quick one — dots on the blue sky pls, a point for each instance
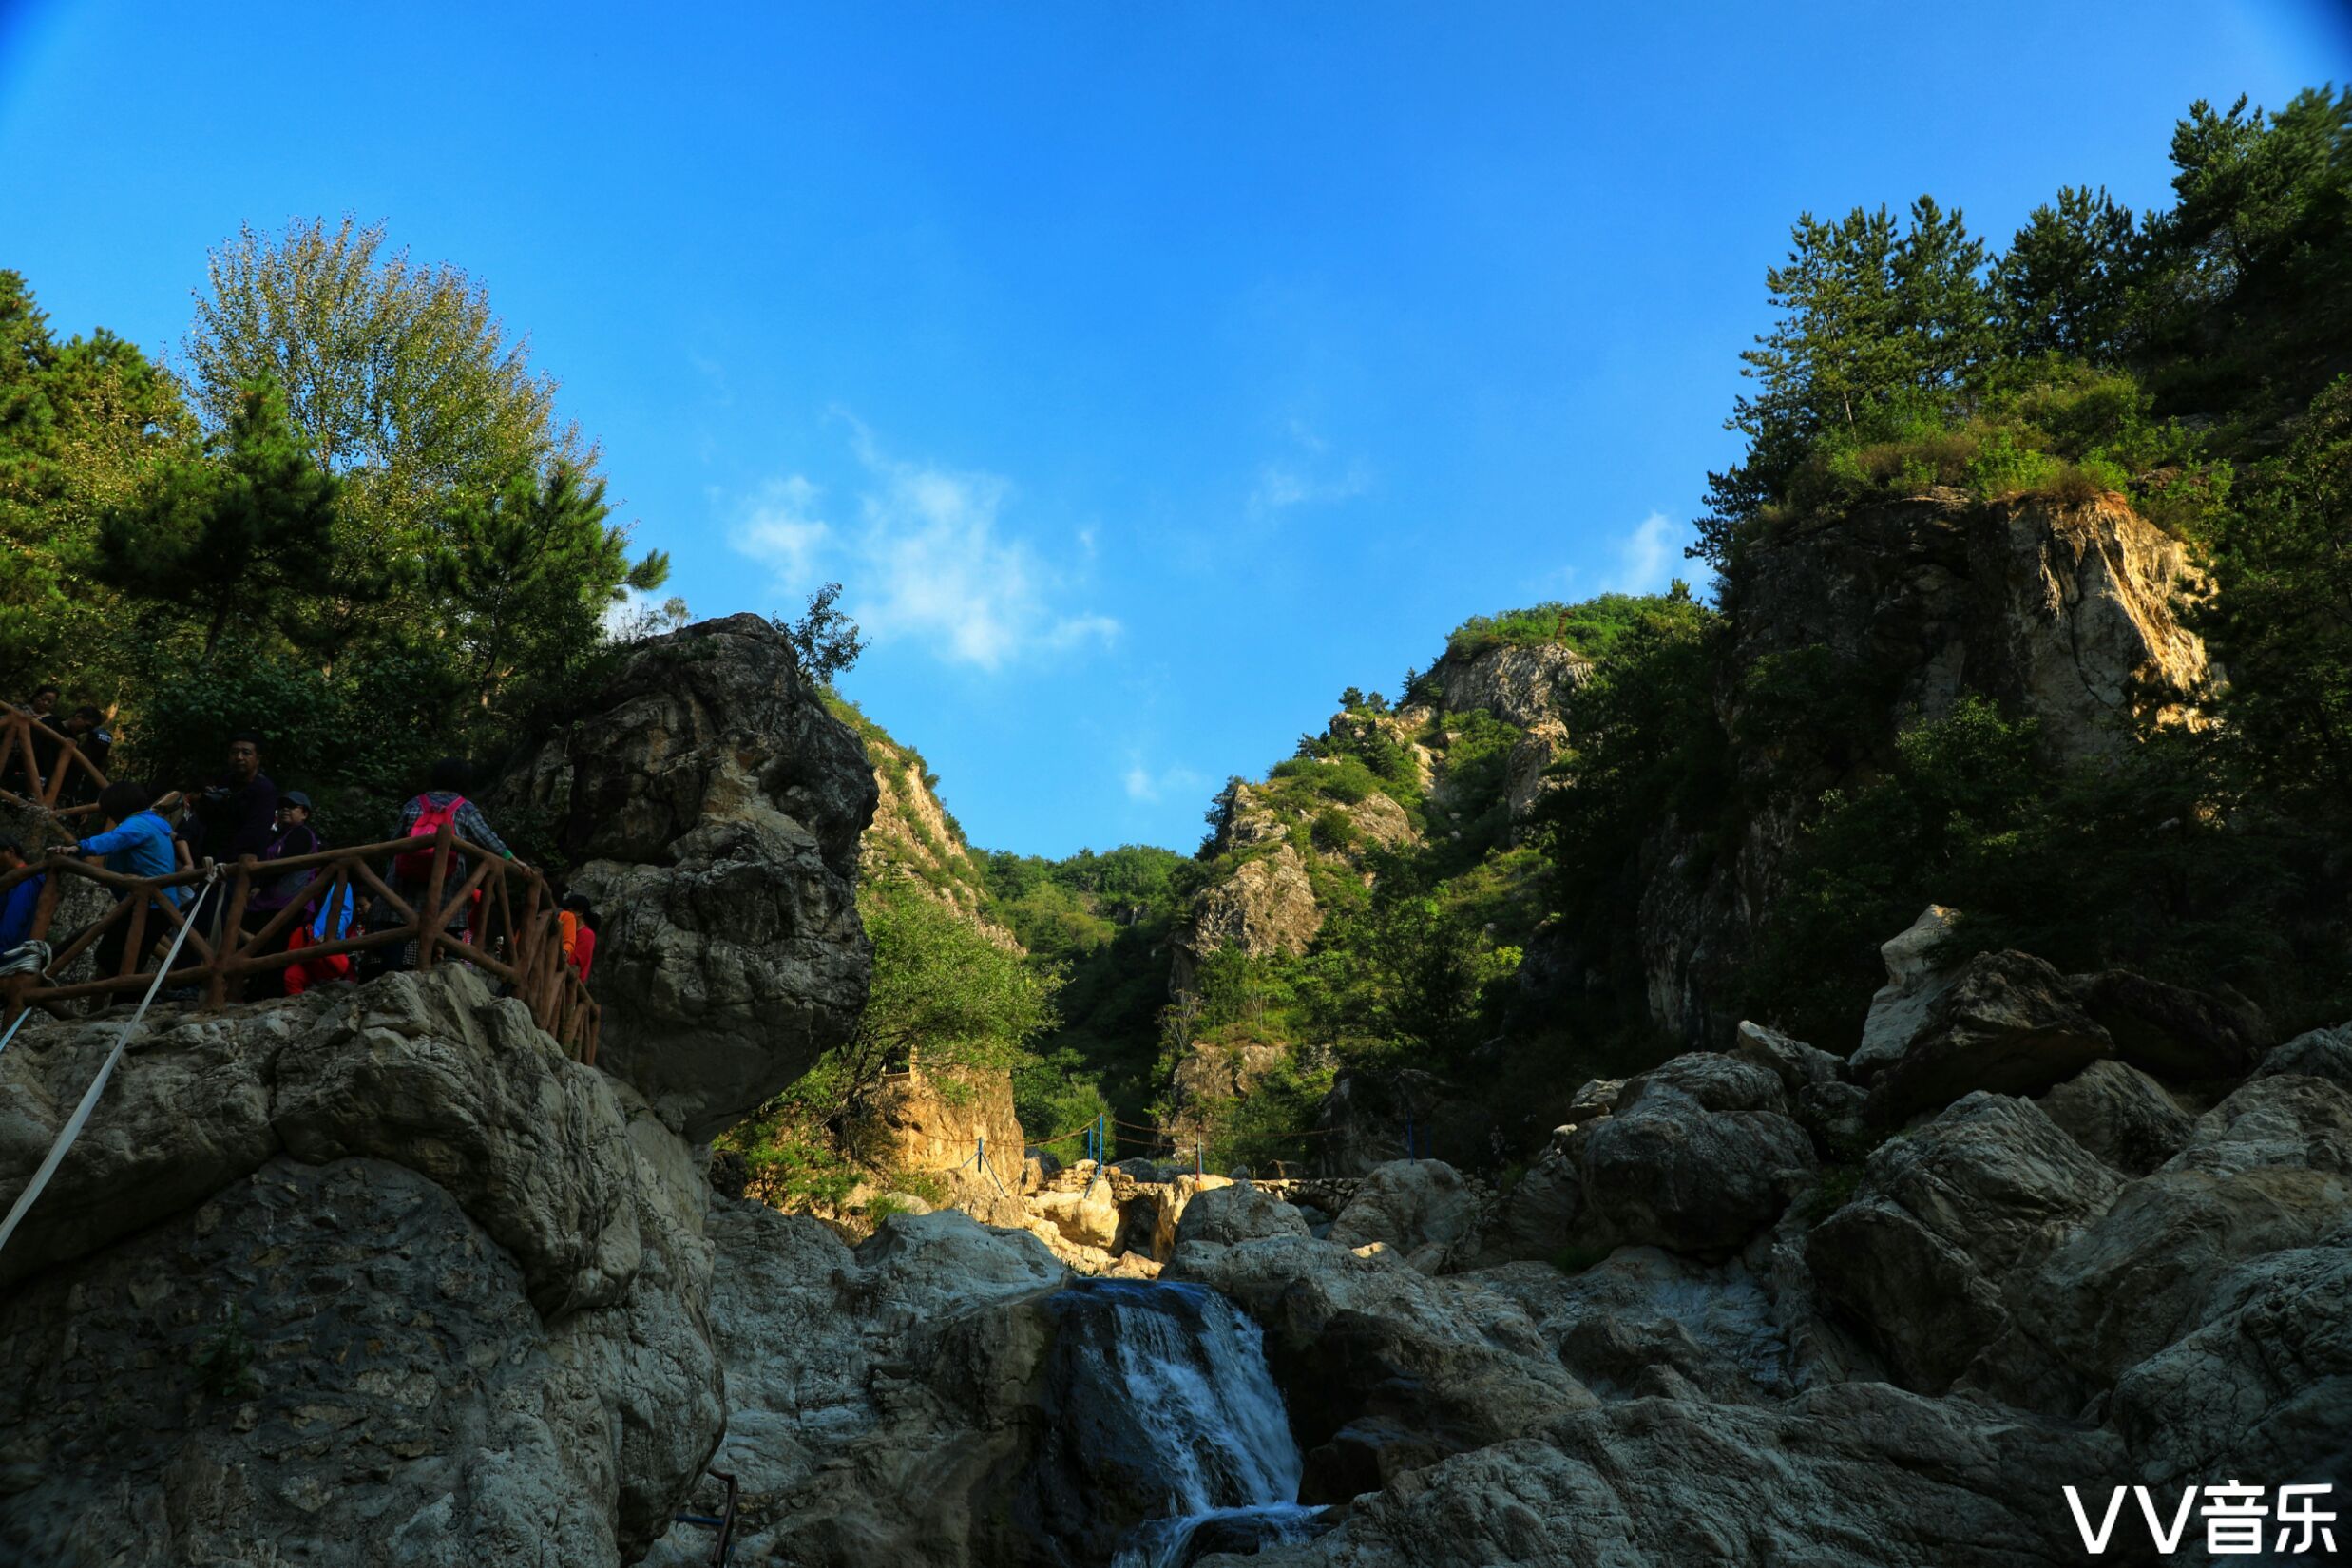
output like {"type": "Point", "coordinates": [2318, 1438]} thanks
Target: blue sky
{"type": "Point", "coordinates": [1147, 373]}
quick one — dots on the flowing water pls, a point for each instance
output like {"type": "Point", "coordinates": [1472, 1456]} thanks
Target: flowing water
{"type": "Point", "coordinates": [1190, 1371]}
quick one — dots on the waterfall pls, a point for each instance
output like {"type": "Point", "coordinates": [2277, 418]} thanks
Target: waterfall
{"type": "Point", "coordinates": [1212, 1441]}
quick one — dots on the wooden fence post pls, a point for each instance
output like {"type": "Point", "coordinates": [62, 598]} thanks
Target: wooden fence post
{"type": "Point", "coordinates": [429, 912]}
{"type": "Point", "coordinates": [218, 991]}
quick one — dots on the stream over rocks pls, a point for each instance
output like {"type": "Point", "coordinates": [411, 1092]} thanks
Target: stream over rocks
{"type": "Point", "coordinates": [1165, 1412]}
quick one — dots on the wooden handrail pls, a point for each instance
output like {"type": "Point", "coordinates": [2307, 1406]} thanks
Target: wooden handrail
{"type": "Point", "coordinates": [524, 955]}
{"type": "Point", "coordinates": [18, 728]}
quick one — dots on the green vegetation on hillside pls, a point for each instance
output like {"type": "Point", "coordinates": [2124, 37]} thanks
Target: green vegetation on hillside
{"type": "Point", "coordinates": [945, 998]}
{"type": "Point", "coordinates": [2192, 360]}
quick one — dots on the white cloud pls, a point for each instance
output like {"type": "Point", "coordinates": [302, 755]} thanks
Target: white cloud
{"type": "Point", "coordinates": [1304, 479]}
{"type": "Point", "coordinates": [779, 527]}
{"type": "Point", "coordinates": [927, 560]}
{"type": "Point", "coordinates": [1649, 555]}
{"type": "Point", "coordinates": [1146, 786]}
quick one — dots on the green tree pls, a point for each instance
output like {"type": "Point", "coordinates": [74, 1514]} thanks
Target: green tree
{"type": "Point", "coordinates": [1877, 316]}
{"type": "Point", "coordinates": [528, 572]}
{"type": "Point", "coordinates": [2063, 284]}
{"type": "Point", "coordinates": [79, 422]}
{"type": "Point", "coordinates": [240, 535]}
{"type": "Point", "coordinates": [2281, 620]}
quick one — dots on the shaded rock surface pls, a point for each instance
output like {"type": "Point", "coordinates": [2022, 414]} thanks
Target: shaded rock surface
{"type": "Point", "coordinates": [2007, 1022]}
{"type": "Point", "coordinates": [712, 809]}
{"type": "Point", "coordinates": [2064, 613]}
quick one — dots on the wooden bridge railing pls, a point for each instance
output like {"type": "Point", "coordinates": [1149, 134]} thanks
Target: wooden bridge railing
{"type": "Point", "coordinates": [508, 912]}
{"type": "Point", "coordinates": [42, 767]}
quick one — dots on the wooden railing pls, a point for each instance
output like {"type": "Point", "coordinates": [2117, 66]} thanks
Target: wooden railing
{"type": "Point", "coordinates": [38, 763]}
{"type": "Point", "coordinates": [510, 929]}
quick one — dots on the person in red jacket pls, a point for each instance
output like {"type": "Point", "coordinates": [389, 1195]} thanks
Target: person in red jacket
{"type": "Point", "coordinates": [579, 923]}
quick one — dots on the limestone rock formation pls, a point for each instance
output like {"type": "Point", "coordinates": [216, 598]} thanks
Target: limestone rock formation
{"type": "Point", "coordinates": [1267, 906]}
{"type": "Point", "coordinates": [1520, 685]}
{"type": "Point", "coordinates": [961, 1130]}
{"type": "Point", "coordinates": [713, 809]}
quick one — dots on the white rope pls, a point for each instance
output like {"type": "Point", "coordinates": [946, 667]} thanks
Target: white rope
{"type": "Point", "coordinates": [74, 1123]}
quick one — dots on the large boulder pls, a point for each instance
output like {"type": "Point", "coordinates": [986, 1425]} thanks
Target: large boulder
{"type": "Point", "coordinates": [1421, 1209]}
{"type": "Point", "coordinates": [1384, 1368]}
{"type": "Point", "coordinates": [1914, 982]}
{"type": "Point", "coordinates": [1858, 1475]}
{"type": "Point", "coordinates": [1696, 1155]}
{"type": "Point", "coordinates": [493, 1253]}
{"type": "Point", "coordinates": [2007, 1022]}
{"type": "Point", "coordinates": [1239, 1213]}
{"type": "Point", "coordinates": [2179, 1034]}
{"type": "Point", "coordinates": [873, 1397]}
{"type": "Point", "coordinates": [2121, 1114]}
{"type": "Point", "coordinates": [426, 1071]}
{"type": "Point", "coordinates": [1700, 1155]}
{"type": "Point", "coordinates": [712, 809]}
{"type": "Point", "coordinates": [321, 1363]}
{"type": "Point", "coordinates": [1944, 1214]}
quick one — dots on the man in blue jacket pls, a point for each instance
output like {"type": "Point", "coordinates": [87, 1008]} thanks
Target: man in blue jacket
{"type": "Point", "coordinates": [137, 842]}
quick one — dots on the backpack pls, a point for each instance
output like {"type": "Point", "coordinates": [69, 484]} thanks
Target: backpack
{"type": "Point", "coordinates": [334, 920]}
{"type": "Point", "coordinates": [416, 865]}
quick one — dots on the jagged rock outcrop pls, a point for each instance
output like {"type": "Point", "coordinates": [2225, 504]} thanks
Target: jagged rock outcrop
{"type": "Point", "coordinates": [1944, 1213]}
{"type": "Point", "coordinates": [713, 809]}
{"type": "Point", "coordinates": [2005, 1022]}
{"type": "Point", "coordinates": [1520, 684]}
{"type": "Point", "coordinates": [1268, 906]}
{"type": "Point", "coordinates": [2062, 613]}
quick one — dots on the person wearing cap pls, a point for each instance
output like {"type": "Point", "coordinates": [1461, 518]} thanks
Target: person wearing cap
{"type": "Point", "coordinates": [292, 835]}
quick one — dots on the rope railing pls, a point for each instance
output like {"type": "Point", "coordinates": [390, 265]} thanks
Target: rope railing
{"type": "Point", "coordinates": [41, 767]}
{"type": "Point", "coordinates": [474, 907]}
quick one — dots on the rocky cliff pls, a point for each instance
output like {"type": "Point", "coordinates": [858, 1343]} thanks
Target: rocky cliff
{"type": "Point", "coordinates": [378, 1276]}
{"type": "Point", "coordinates": [712, 808]}
{"type": "Point", "coordinates": [2068, 615]}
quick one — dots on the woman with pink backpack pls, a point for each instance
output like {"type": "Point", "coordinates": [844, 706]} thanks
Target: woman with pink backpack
{"type": "Point", "coordinates": [421, 820]}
